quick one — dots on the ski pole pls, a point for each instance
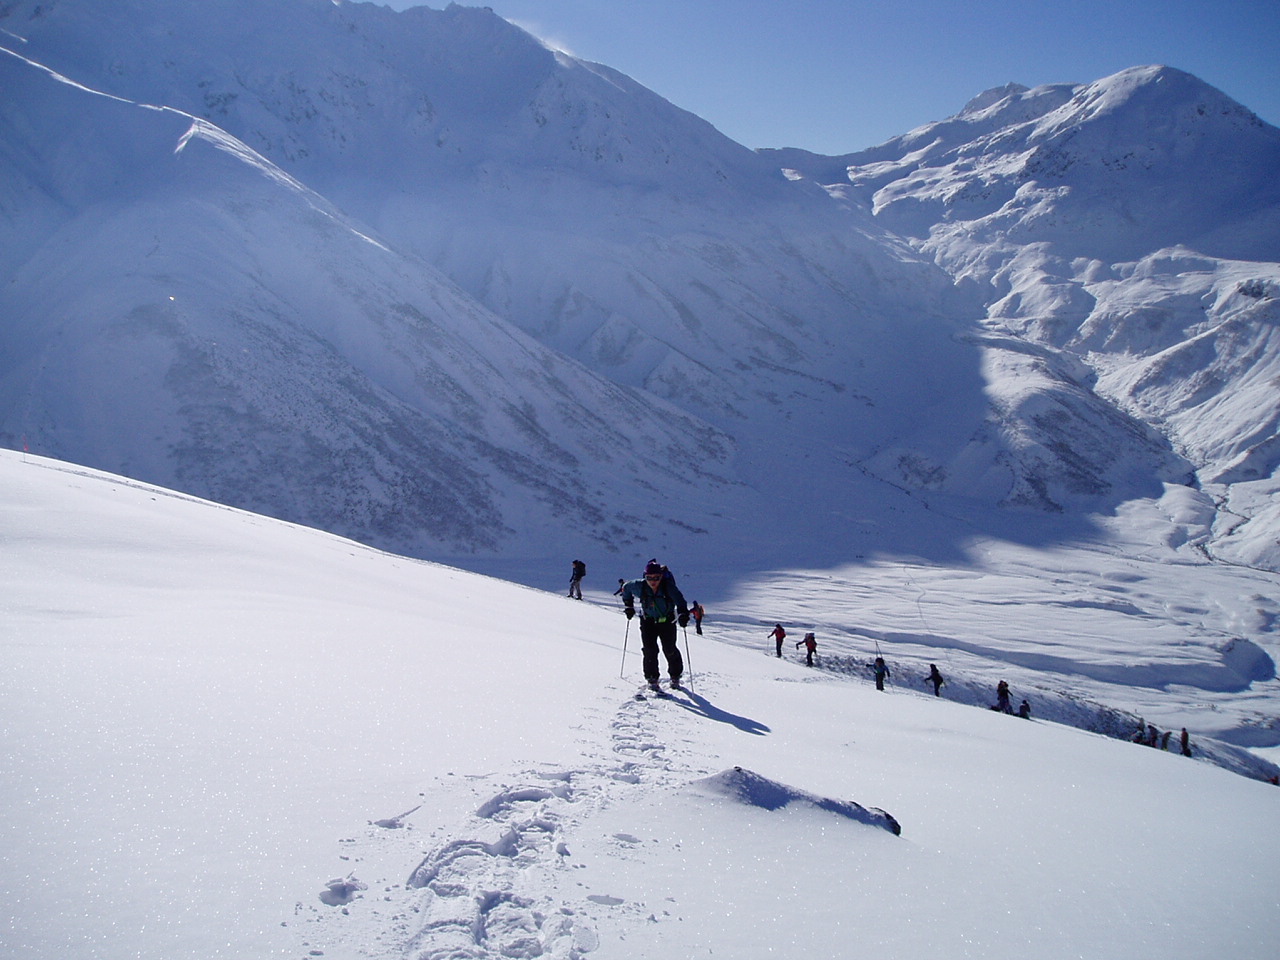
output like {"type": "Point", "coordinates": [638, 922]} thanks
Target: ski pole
{"type": "Point", "coordinates": [622, 669]}
{"type": "Point", "coordinates": [688, 662]}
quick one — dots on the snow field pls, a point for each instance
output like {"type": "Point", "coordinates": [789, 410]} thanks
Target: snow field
{"type": "Point", "coordinates": [229, 736]}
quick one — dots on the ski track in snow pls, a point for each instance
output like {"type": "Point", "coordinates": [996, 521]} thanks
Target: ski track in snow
{"type": "Point", "coordinates": [477, 893]}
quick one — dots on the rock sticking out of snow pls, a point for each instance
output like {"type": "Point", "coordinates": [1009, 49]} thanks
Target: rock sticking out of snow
{"type": "Point", "coordinates": [752, 789]}
{"type": "Point", "coordinates": [341, 891]}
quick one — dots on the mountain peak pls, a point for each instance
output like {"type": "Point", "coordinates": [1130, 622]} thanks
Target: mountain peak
{"type": "Point", "coordinates": [991, 97]}
{"type": "Point", "coordinates": [1152, 96]}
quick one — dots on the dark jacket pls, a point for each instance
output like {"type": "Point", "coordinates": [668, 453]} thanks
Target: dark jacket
{"type": "Point", "coordinates": [661, 605]}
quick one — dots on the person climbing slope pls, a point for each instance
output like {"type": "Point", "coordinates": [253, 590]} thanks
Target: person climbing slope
{"type": "Point", "coordinates": [696, 611]}
{"type": "Point", "coordinates": [881, 670]}
{"type": "Point", "coordinates": [575, 579]}
{"type": "Point", "coordinates": [935, 678]}
{"type": "Point", "coordinates": [662, 606]}
{"type": "Point", "coordinates": [810, 645]}
{"type": "Point", "coordinates": [779, 635]}
{"type": "Point", "coordinates": [1002, 697]}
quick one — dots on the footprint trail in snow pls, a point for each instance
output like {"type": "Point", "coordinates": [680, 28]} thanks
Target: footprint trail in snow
{"type": "Point", "coordinates": [481, 893]}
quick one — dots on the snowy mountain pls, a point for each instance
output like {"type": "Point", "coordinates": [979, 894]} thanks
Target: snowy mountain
{"type": "Point", "coordinates": [1131, 225]}
{"type": "Point", "coordinates": [414, 279]}
{"type": "Point", "coordinates": [226, 736]}
{"type": "Point", "coordinates": [800, 336]}
{"type": "Point", "coordinates": [996, 395]}
{"type": "Point", "coordinates": [181, 308]}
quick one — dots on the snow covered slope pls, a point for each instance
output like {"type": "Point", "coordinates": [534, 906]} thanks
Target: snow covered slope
{"type": "Point", "coordinates": [178, 307]}
{"type": "Point", "coordinates": [226, 736]}
{"type": "Point", "coordinates": [630, 236]}
{"type": "Point", "coordinates": [415, 279]}
{"type": "Point", "coordinates": [1131, 225]}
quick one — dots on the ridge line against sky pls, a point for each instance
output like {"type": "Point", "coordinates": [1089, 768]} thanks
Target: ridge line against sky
{"type": "Point", "coordinates": [837, 76]}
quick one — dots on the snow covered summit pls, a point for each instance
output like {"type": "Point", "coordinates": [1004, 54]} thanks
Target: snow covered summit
{"type": "Point", "coordinates": [611, 226]}
{"type": "Point", "coordinates": [1131, 226]}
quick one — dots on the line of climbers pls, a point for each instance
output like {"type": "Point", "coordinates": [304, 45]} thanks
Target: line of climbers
{"type": "Point", "coordinates": [663, 607]}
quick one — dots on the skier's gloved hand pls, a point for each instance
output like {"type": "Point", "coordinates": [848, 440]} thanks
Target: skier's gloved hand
{"type": "Point", "coordinates": [683, 619]}
{"type": "Point", "coordinates": [631, 612]}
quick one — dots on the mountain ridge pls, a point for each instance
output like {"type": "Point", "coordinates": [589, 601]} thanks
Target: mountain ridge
{"type": "Point", "coordinates": [1149, 259]}
{"type": "Point", "coordinates": [784, 319]}
{"type": "Point", "coordinates": [212, 383]}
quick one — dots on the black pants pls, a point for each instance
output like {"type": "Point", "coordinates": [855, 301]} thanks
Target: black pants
{"type": "Point", "coordinates": [652, 634]}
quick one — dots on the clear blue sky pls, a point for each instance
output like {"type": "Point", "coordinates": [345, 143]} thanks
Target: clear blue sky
{"type": "Point", "coordinates": [835, 76]}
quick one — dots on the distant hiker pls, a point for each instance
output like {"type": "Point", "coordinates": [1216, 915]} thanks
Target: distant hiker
{"type": "Point", "coordinates": [1002, 697]}
{"type": "Point", "coordinates": [935, 678]}
{"type": "Point", "coordinates": [621, 583]}
{"type": "Point", "coordinates": [810, 645]}
{"type": "Point", "coordinates": [662, 606]}
{"type": "Point", "coordinates": [1141, 735]}
{"type": "Point", "coordinates": [881, 670]}
{"type": "Point", "coordinates": [697, 612]}
{"type": "Point", "coordinates": [778, 634]}
{"type": "Point", "coordinates": [1153, 736]}
{"type": "Point", "coordinates": [1024, 710]}
{"type": "Point", "coordinates": [1185, 741]}
{"type": "Point", "coordinates": [575, 579]}
{"type": "Point", "coordinates": [1164, 739]}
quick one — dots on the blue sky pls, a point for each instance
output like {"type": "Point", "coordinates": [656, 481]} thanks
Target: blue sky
{"type": "Point", "coordinates": [836, 76]}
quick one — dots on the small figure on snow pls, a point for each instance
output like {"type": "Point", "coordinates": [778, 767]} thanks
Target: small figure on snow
{"type": "Point", "coordinates": [1153, 736]}
{"type": "Point", "coordinates": [621, 583]}
{"type": "Point", "coordinates": [662, 606]}
{"type": "Point", "coordinates": [810, 645]}
{"type": "Point", "coordinates": [778, 634]}
{"type": "Point", "coordinates": [1185, 742]}
{"type": "Point", "coordinates": [1002, 697]}
{"type": "Point", "coordinates": [697, 612]}
{"type": "Point", "coordinates": [575, 579]}
{"type": "Point", "coordinates": [935, 678]}
{"type": "Point", "coordinates": [881, 670]}
{"type": "Point", "coordinates": [1024, 710]}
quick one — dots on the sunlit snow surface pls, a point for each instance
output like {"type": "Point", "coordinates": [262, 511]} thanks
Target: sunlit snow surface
{"type": "Point", "coordinates": [226, 736]}
{"type": "Point", "coordinates": [1027, 435]}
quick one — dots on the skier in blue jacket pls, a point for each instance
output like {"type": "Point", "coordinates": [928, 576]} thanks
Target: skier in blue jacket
{"type": "Point", "coordinates": [662, 606]}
